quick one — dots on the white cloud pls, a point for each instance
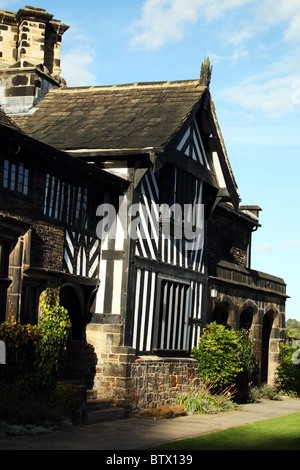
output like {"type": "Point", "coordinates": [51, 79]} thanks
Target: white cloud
{"type": "Point", "coordinates": [272, 13]}
{"type": "Point", "coordinates": [274, 90]}
{"type": "Point", "coordinates": [77, 66]}
{"type": "Point", "coordinates": [272, 96]}
{"type": "Point", "coordinates": [264, 15]}
{"type": "Point", "coordinates": [165, 21]}
{"type": "Point", "coordinates": [236, 55]}
{"type": "Point", "coordinates": [263, 248]}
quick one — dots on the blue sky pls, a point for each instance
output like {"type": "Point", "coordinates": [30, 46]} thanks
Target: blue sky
{"type": "Point", "coordinates": [254, 46]}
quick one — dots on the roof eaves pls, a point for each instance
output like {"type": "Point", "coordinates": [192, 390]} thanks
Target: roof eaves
{"type": "Point", "coordinates": [116, 152]}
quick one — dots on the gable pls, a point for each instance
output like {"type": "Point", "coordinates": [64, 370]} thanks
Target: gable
{"type": "Point", "coordinates": [192, 146]}
{"type": "Point", "coordinates": [198, 147]}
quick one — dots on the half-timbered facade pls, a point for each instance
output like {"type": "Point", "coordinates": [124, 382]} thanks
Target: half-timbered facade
{"type": "Point", "coordinates": [48, 202]}
{"type": "Point", "coordinates": [163, 140]}
{"type": "Point", "coordinates": [164, 247]}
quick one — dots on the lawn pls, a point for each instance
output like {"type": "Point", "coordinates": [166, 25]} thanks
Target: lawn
{"type": "Point", "coordinates": [274, 434]}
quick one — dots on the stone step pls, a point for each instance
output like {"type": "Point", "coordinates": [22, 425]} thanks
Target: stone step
{"type": "Point", "coordinates": [100, 411]}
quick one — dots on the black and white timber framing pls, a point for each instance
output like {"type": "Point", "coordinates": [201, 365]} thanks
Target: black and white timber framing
{"type": "Point", "coordinates": [167, 280]}
{"type": "Point", "coordinates": [163, 141]}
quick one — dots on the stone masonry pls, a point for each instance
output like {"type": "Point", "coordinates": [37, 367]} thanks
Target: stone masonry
{"type": "Point", "coordinates": [135, 383]}
{"type": "Point", "coordinates": [29, 58]}
{"type": "Point", "coordinates": [157, 381]}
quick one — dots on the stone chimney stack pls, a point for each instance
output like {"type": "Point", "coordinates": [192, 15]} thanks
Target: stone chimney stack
{"type": "Point", "coordinates": [8, 38]}
{"type": "Point", "coordinates": [30, 47]}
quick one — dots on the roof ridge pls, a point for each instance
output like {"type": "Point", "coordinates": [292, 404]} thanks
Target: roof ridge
{"type": "Point", "coordinates": [135, 85]}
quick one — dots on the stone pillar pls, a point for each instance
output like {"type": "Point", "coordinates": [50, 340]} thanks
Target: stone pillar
{"type": "Point", "coordinates": [112, 372]}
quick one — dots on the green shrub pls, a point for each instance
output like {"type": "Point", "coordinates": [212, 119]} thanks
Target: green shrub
{"type": "Point", "coordinates": [225, 357]}
{"type": "Point", "coordinates": [263, 391]}
{"type": "Point", "coordinates": [19, 373]}
{"type": "Point", "coordinates": [204, 400]}
{"type": "Point", "coordinates": [34, 354]}
{"type": "Point", "coordinates": [288, 371]}
{"type": "Point", "coordinates": [54, 325]}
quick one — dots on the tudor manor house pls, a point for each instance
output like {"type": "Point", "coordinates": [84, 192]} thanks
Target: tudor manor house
{"type": "Point", "coordinates": [137, 306]}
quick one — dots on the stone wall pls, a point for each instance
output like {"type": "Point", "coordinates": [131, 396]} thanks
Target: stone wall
{"type": "Point", "coordinates": [158, 381]}
{"type": "Point", "coordinates": [135, 383]}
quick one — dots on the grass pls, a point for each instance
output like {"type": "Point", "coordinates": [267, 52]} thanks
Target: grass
{"type": "Point", "coordinates": [274, 434]}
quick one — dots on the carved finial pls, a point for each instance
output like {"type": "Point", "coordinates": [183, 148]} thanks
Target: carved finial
{"type": "Point", "coordinates": [205, 74]}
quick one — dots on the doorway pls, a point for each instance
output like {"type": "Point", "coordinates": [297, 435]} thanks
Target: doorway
{"type": "Point", "coordinates": [71, 301]}
{"type": "Point", "coordinates": [266, 333]}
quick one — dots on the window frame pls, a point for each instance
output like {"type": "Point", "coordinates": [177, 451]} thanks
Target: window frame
{"type": "Point", "coordinates": [66, 202]}
{"type": "Point", "coordinates": [164, 338]}
{"type": "Point", "coordinates": [16, 177]}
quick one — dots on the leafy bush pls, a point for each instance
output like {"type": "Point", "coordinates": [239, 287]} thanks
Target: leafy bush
{"type": "Point", "coordinates": [225, 357]}
{"type": "Point", "coordinates": [34, 354]}
{"type": "Point", "coordinates": [263, 391]}
{"type": "Point", "coordinates": [21, 351]}
{"type": "Point", "coordinates": [292, 328]}
{"type": "Point", "coordinates": [288, 371]}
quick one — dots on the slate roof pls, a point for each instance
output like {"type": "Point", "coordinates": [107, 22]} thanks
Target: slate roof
{"type": "Point", "coordinates": [4, 119]}
{"type": "Point", "coordinates": [133, 116]}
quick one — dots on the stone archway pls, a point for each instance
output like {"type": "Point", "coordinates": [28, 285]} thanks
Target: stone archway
{"type": "Point", "coordinates": [247, 315]}
{"type": "Point", "coordinates": [221, 313]}
{"type": "Point", "coordinates": [268, 320]}
{"type": "Point", "coordinates": [70, 299]}
{"type": "Point", "coordinates": [246, 319]}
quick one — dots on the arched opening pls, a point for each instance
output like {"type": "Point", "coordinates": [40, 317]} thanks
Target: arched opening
{"type": "Point", "coordinates": [71, 301]}
{"type": "Point", "coordinates": [266, 333]}
{"type": "Point", "coordinates": [221, 313]}
{"type": "Point", "coordinates": [246, 319]}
